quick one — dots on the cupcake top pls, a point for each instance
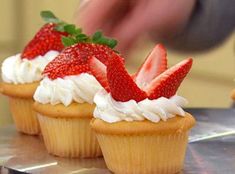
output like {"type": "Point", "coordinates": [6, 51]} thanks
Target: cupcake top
{"type": "Point", "coordinates": [68, 77]}
{"type": "Point", "coordinates": [149, 94]}
{"type": "Point", "coordinates": [44, 47]}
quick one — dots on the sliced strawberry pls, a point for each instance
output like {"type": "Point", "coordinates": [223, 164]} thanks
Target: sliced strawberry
{"type": "Point", "coordinates": [98, 69]}
{"type": "Point", "coordinates": [73, 60]}
{"type": "Point", "coordinates": [122, 86]}
{"type": "Point", "coordinates": [46, 39]}
{"type": "Point", "coordinates": [154, 65]}
{"type": "Point", "coordinates": [167, 83]}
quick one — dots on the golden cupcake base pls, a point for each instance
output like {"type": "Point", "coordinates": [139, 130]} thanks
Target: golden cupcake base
{"type": "Point", "coordinates": [21, 106]}
{"type": "Point", "coordinates": [143, 147]}
{"type": "Point", "coordinates": [69, 133]}
{"type": "Point", "coordinates": [144, 154]}
{"type": "Point", "coordinates": [69, 137]}
{"type": "Point", "coordinates": [20, 90]}
{"type": "Point", "coordinates": [24, 116]}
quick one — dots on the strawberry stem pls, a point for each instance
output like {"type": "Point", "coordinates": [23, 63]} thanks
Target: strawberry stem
{"type": "Point", "coordinates": [100, 39]}
{"type": "Point", "coordinates": [75, 34]}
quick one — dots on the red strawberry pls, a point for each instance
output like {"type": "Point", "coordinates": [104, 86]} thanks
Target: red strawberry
{"type": "Point", "coordinates": [154, 65]}
{"type": "Point", "coordinates": [116, 80]}
{"type": "Point", "coordinates": [121, 85]}
{"type": "Point", "coordinates": [167, 83]}
{"type": "Point", "coordinates": [73, 60]}
{"type": "Point", "coordinates": [101, 52]}
{"type": "Point", "coordinates": [68, 62]}
{"type": "Point", "coordinates": [47, 38]}
{"type": "Point", "coordinates": [98, 69]}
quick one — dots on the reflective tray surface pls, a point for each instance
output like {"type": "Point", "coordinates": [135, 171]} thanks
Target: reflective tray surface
{"type": "Point", "coordinates": [211, 149]}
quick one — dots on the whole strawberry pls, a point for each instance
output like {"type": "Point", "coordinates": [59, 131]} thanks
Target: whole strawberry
{"type": "Point", "coordinates": [73, 60]}
{"type": "Point", "coordinates": [46, 39]}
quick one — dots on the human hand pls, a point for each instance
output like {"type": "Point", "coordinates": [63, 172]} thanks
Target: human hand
{"type": "Point", "coordinates": [127, 20]}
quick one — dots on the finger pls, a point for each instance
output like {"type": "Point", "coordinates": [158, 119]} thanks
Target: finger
{"type": "Point", "coordinates": [118, 14]}
{"type": "Point", "coordinates": [94, 14]}
{"type": "Point", "coordinates": [131, 28]}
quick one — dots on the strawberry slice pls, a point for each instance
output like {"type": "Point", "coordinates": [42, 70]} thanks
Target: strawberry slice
{"type": "Point", "coordinates": [73, 60]}
{"type": "Point", "coordinates": [167, 83]}
{"type": "Point", "coordinates": [154, 65]}
{"type": "Point", "coordinates": [121, 84]}
{"type": "Point", "coordinates": [98, 69]}
{"type": "Point", "coordinates": [46, 39]}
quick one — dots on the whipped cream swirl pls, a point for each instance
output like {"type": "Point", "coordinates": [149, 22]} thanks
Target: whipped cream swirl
{"type": "Point", "coordinates": [19, 71]}
{"type": "Point", "coordinates": [162, 108]}
{"type": "Point", "coordinates": [79, 88]}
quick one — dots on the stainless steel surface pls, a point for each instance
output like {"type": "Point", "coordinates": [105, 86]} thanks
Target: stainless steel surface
{"type": "Point", "coordinates": [212, 123]}
{"type": "Point", "coordinates": [211, 151]}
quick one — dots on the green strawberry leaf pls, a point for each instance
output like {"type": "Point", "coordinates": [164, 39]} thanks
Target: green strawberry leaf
{"type": "Point", "coordinates": [112, 43]}
{"type": "Point", "coordinates": [67, 41]}
{"type": "Point", "coordinates": [48, 16]}
{"type": "Point", "coordinates": [81, 37]}
{"type": "Point", "coordinates": [78, 31]}
{"type": "Point", "coordinates": [96, 36]}
{"type": "Point", "coordinates": [60, 27]}
{"type": "Point", "coordinates": [100, 39]}
{"type": "Point", "coordinates": [70, 28]}
{"type": "Point", "coordinates": [76, 36]}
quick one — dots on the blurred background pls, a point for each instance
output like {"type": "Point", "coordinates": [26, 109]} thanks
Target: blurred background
{"type": "Point", "coordinates": [208, 85]}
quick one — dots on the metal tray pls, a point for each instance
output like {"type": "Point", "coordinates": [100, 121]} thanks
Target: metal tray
{"type": "Point", "coordinates": [211, 149]}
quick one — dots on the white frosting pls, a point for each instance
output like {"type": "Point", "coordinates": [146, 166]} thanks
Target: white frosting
{"type": "Point", "coordinates": [162, 108]}
{"type": "Point", "coordinates": [19, 71]}
{"type": "Point", "coordinates": [79, 88]}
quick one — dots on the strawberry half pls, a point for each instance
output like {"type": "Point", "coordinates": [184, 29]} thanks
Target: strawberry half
{"type": "Point", "coordinates": [46, 39]}
{"type": "Point", "coordinates": [154, 65]}
{"type": "Point", "coordinates": [167, 83]}
{"type": "Point", "coordinates": [99, 70]}
{"type": "Point", "coordinates": [73, 60]}
{"type": "Point", "coordinates": [122, 86]}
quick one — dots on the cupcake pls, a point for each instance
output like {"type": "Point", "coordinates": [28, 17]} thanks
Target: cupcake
{"type": "Point", "coordinates": [21, 73]}
{"type": "Point", "coordinates": [64, 99]}
{"type": "Point", "coordinates": [139, 121]}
